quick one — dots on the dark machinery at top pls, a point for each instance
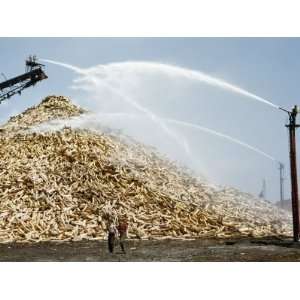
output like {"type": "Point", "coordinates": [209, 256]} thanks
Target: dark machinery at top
{"type": "Point", "coordinates": [16, 85]}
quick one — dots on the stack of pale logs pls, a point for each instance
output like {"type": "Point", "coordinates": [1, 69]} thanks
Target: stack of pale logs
{"type": "Point", "coordinates": [70, 184]}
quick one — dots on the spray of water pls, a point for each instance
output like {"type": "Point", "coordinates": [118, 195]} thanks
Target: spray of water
{"type": "Point", "coordinates": [118, 81]}
{"type": "Point", "coordinates": [224, 136]}
{"type": "Point", "coordinates": [198, 127]}
{"type": "Point", "coordinates": [94, 72]}
{"type": "Point", "coordinates": [135, 67]}
{"type": "Point", "coordinates": [103, 72]}
{"type": "Point", "coordinates": [158, 121]}
{"type": "Point", "coordinates": [65, 65]}
{"type": "Point", "coordinates": [89, 76]}
{"type": "Point", "coordinates": [123, 68]}
{"type": "Point", "coordinates": [91, 121]}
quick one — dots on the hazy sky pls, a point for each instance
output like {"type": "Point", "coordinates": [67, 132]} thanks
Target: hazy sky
{"type": "Point", "coordinates": [268, 67]}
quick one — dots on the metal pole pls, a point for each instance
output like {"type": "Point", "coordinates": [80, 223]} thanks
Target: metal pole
{"type": "Point", "coordinates": [294, 184]}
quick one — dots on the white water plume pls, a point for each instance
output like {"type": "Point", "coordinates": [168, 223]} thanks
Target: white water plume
{"type": "Point", "coordinates": [111, 74]}
{"type": "Point", "coordinates": [91, 121]}
{"type": "Point", "coordinates": [92, 79]}
{"type": "Point", "coordinates": [97, 122]}
{"type": "Point", "coordinates": [219, 134]}
{"type": "Point", "coordinates": [124, 88]}
{"type": "Point", "coordinates": [65, 65]}
{"type": "Point", "coordinates": [102, 74]}
{"type": "Point", "coordinates": [119, 71]}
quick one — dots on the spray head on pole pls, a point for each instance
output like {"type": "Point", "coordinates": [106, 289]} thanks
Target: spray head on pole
{"type": "Point", "coordinates": [293, 115]}
{"type": "Point", "coordinates": [295, 110]}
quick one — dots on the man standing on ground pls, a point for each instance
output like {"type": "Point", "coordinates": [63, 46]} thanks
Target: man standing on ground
{"type": "Point", "coordinates": [112, 234]}
{"type": "Point", "coordinates": [122, 229]}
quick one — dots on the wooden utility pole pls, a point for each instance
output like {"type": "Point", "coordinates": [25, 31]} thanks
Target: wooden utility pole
{"type": "Point", "coordinates": [293, 162]}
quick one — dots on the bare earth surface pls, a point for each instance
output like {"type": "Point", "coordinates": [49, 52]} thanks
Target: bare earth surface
{"type": "Point", "coordinates": [168, 250]}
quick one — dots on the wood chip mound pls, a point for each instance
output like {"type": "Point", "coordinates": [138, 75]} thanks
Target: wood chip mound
{"type": "Point", "coordinates": [69, 184]}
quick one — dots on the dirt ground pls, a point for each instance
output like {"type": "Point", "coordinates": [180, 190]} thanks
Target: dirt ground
{"type": "Point", "coordinates": [168, 250]}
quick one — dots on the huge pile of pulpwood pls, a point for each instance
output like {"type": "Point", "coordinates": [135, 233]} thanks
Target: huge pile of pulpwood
{"type": "Point", "coordinates": [69, 184]}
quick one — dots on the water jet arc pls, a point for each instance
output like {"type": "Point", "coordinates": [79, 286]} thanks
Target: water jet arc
{"type": "Point", "coordinates": [196, 75]}
{"type": "Point", "coordinates": [170, 70]}
{"type": "Point", "coordinates": [197, 127]}
{"type": "Point", "coordinates": [182, 142]}
{"type": "Point", "coordinates": [224, 136]}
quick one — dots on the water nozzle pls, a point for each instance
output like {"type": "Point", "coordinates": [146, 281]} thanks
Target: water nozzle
{"type": "Point", "coordinates": [295, 110]}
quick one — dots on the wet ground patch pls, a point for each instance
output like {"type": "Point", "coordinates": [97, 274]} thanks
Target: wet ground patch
{"type": "Point", "coordinates": [167, 250]}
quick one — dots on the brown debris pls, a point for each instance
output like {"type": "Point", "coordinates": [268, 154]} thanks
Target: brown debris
{"type": "Point", "coordinates": [70, 185]}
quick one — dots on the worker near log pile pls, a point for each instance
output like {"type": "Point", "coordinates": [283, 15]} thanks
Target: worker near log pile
{"type": "Point", "coordinates": [122, 230]}
{"type": "Point", "coordinates": [112, 234]}
{"type": "Point", "coordinates": [117, 232]}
